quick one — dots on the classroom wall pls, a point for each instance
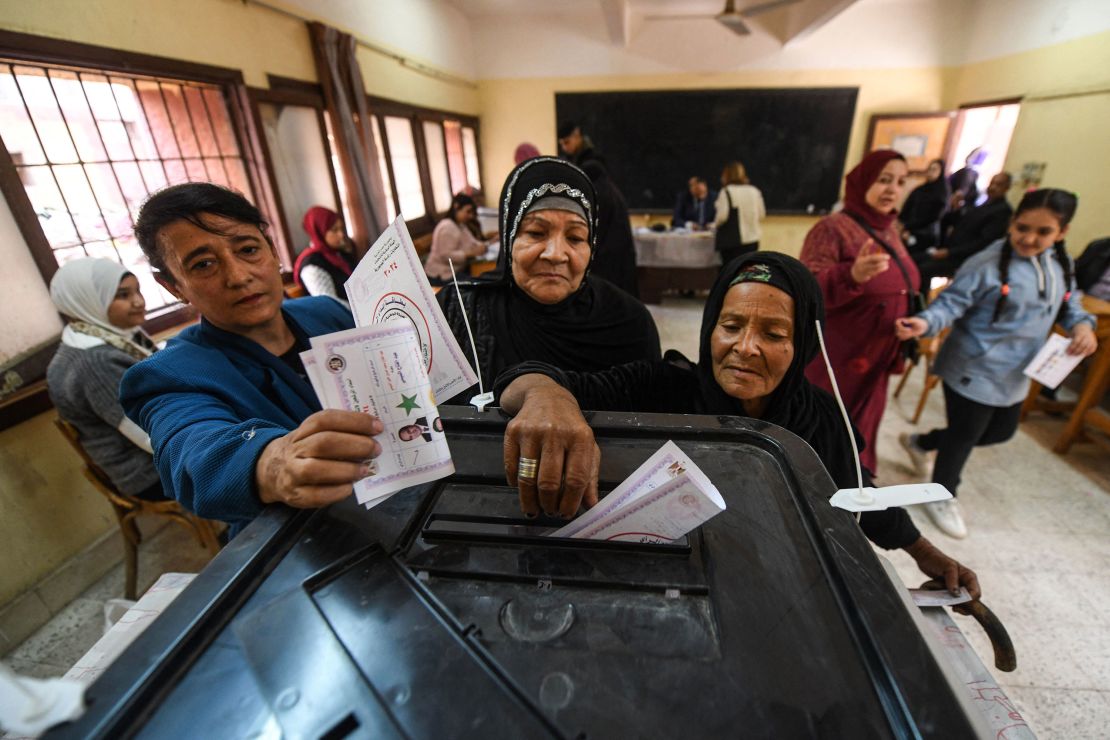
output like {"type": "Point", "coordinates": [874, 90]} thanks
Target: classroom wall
{"type": "Point", "coordinates": [515, 110]}
{"type": "Point", "coordinates": [1063, 119]}
{"type": "Point", "coordinates": [48, 512]}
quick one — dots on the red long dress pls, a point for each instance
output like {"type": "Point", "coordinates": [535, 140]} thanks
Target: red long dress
{"type": "Point", "coordinates": [859, 326]}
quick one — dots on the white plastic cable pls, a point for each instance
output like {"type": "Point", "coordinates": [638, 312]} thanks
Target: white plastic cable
{"type": "Point", "coordinates": [481, 398]}
{"type": "Point", "coordinates": [861, 497]}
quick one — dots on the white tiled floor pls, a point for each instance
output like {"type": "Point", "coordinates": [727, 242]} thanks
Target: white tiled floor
{"type": "Point", "coordinates": [1039, 541]}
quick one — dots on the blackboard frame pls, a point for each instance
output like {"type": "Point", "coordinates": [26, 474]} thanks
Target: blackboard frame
{"type": "Point", "coordinates": [793, 141]}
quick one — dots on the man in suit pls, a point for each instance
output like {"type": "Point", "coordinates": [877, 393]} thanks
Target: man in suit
{"type": "Point", "coordinates": [696, 206]}
{"type": "Point", "coordinates": [975, 231]}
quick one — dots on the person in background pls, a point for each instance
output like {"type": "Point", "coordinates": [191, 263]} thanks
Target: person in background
{"type": "Point", "coordinates": [868, 280]}
{"type": "Point", "coordinates": [233, 420]}
{"type": "Point", "coordinates": [1001, 306]}
{"type": "Point", "coordinates": [454, 238]}
{"type": "Point", "coordinates": [542, 301]}
{"type": "Point", "coordinates": [325, 266]}
{"type": "Point", "coordinates": [964, 182]}
{"type": "Point", "coordinates": [975, 230]}
{"type": "Point", "coordinates": [525, 151]}
{"type": "Point", "coordinates": [615, 259]}
{"type": "Point", "coordinates": [1092, 269]}
{"type": "Point", "coordinates": [576, 146]}
{"type": "Point", "coordinates": [101, 340]}
{"type": "Point", "coordinates": [758, 334]}
{"type": "Point", "coordinates": [696, 205]}
{"type": "Point", "coordinates": [922, 211]}
{"type": "Point", "coordinates": [737, 214]}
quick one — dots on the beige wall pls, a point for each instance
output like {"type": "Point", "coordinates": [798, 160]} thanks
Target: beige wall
{"type": "Point", "coordinates": [48, 511]}
{"type": "Point", "coordinates": [1063, 119]}
{"type": "Point", "coordinates": [524, 110]}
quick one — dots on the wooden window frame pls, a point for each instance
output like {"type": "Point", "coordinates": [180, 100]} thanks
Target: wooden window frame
{"type": "Point", "coordinates": [417, 115]}
{"type": "Point", "coordinates": [289, 91]}
{"type": "Point", "coordinates": [44, 50]}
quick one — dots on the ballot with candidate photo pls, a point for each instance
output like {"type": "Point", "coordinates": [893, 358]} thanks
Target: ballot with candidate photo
{"type": "Point", "coordinates": [380, 370]}
{"type": "Point", "coordinates": [389, 284]}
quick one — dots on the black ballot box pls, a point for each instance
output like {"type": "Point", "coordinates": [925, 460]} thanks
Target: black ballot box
{"type": "Point", "coordinates": [444, 613]}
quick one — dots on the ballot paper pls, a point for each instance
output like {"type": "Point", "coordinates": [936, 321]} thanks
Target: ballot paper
{"type": "Point", "coordinates": [930, 597]}
{"type": "Point", "coordinates": [1052, 363]}
{"type": "Point", "coordinates": [379, 370]}
{"type": "Point", "coordinates": [389, 284]}
{"type": "Point", "coordinates": [664, 499]}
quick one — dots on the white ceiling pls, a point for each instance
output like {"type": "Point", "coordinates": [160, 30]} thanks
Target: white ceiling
{"type": "Point", "coordinates": [488, 39]}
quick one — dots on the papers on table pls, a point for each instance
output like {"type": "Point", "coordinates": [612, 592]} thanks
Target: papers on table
{"type": "Point", "coordinates": [380, 370]}
{"type": "Point", "coordinates": [1052, 364]}
{"type": "Point", "coordinates": [667, 497]}
{"type": "Point", "coordinates": [389, 284]}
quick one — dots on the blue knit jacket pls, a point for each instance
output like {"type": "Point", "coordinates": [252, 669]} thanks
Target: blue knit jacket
{"type": "Point", "coordinates": [211, 401]}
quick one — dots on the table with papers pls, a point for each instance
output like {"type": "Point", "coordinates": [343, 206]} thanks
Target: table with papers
{"type": "Point", "coordinates": [674, 260]}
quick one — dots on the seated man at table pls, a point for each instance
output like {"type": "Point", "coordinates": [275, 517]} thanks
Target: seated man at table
{"type": "Point", "coordinates": [696, 205]}
{"type": "Point", "coordinates": [232, 418]}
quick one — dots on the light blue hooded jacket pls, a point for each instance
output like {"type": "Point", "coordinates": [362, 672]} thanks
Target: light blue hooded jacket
{"type": "Point", "coordinates": [982, 360]}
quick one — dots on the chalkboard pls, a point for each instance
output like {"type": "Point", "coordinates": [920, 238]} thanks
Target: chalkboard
{"type": "Point", "coordinates": [792, 141]}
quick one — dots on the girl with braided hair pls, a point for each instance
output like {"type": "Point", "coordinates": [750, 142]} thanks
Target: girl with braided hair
{"type": "Point", "coordinates": [1001, 305]}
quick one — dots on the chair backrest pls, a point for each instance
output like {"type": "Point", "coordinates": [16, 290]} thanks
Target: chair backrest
{"type": "Point", "coordinates": [73, 436]}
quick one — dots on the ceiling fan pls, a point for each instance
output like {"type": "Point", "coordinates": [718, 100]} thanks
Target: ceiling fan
{"type": "Point", "coordinates": [730, 17]}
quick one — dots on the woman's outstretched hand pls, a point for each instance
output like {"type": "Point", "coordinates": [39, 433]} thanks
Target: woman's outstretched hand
{"type": "Point", "coordinates": [549, 428]}
{"type": "Point", "coordinates": [910, 327]}
{"type": "Point", "coordinates": [935, 564]}
{"type": "Point", "coordinates": [870, 262]}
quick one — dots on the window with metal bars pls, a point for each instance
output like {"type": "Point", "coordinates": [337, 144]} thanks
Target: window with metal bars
{"type": "Point", "coordinates": [89, 147]}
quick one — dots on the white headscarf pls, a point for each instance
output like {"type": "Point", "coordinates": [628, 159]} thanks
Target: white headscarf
{"type": "Point", "coordinates": [83, 289]}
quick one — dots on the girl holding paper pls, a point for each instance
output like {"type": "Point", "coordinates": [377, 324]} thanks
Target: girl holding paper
{"type": "Point", "coordinates": [1001, 305]}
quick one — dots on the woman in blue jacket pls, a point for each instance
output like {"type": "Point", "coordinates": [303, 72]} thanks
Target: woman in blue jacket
{"type": "Point", "coordinates": [232, 418]}
{"type": "Point", "coordinates": [1001, 305]}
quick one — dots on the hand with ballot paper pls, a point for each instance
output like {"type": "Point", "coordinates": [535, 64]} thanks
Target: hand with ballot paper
{"type": "Point", "coordinates": [317, 463]}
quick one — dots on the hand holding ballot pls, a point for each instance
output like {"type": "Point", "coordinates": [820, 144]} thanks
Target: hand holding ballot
{"type": "Point", "coordinates": [316, 463]}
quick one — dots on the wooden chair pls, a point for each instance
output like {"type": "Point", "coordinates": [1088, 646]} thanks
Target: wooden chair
{"type": "Point", "coordinates": [129, 507]}
{"type": "Point", "coordinates": [927, 348]}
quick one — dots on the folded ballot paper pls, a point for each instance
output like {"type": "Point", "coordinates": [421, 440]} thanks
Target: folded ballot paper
{"type": "Point", "coordinates": [667, 497]}
{"type": "Point", "coordinates": [389, 284]}
{"type": "Point", "coordinates": [380, 370]}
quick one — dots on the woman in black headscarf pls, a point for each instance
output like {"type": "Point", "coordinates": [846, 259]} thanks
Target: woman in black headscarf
{"type": "Point", "coordinates": [758, 334]}
{"type": "Point", "coordinates": [922, 211]}
{"type": "Point", "coordinates": [541, 303]}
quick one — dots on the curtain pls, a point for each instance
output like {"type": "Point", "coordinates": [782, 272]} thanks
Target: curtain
{"type": "Point", "coordinates": [345, 98]}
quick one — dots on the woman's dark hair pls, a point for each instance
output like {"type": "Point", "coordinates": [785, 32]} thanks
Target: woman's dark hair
{"type": "Point", "coordinates": [1062, 204]}
{"type": "Point", "coordinates": [187, 202]}
{"type": "Point", "coordinates": [460, 200]}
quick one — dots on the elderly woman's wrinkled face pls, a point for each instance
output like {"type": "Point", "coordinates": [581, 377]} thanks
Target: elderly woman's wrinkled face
{"type": "Point", "coordinates": [752, 345]}
{"type": "Point", "coordinates": [885, 194]}
{"type": "Point", "coordinates": [550, 255]}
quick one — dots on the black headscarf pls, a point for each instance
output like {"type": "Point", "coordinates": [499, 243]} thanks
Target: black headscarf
{"type": "Point", "coordinates": [595, 327]}
{"type": "Point", "coordinates": [795, 404]}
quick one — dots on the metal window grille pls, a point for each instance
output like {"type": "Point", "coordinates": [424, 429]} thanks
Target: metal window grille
{"type": "Point", "coordinates": [90, 146]}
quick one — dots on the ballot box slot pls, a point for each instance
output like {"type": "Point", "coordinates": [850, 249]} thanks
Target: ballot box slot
{"type": "Point", "coordinates": [526, 532]}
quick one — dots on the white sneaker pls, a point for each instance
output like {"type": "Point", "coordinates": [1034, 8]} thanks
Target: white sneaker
{"type": "Point", "coordinates": [948, 517]}
{"type": "Point", "coordinates": [918, 455]}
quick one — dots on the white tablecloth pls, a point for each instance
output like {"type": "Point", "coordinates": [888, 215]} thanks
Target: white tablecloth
{"type": "Point", "coordinates": [675, 249]}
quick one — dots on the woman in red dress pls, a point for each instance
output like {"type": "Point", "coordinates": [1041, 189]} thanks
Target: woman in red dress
{"type": "Point", "coordinates": [868, 281]}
